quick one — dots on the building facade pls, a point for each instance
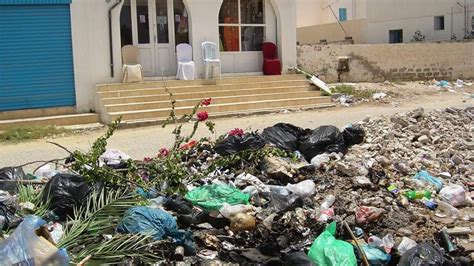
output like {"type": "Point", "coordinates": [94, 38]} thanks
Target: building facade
{"type": "Point", "coordinates": [54, 52]}
{"type": "Point", "coordinates": [388, 21]}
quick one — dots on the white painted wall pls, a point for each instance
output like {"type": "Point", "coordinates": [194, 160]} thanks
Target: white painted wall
{"type": "Point", "coordinates": [411, 15]}
{"type": "Point", "coordinates": [385, 15]}
{"type": "Point", "coordinates": [90, 37]}
{"type": "Point", "coordinates": [90, 44]}
{"type": "Point", "coordinates": [308, 13]}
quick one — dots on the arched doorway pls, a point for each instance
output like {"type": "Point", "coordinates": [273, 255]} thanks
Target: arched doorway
{"type": "Point", "coordinates": [155, 27]}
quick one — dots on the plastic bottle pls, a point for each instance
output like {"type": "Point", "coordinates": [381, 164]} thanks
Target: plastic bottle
{"type": "Point", "coordinates": [375, 241]}
{"type": "Point", "coordinates": [419, 194]}
{"type": "Point", "coordinates": [326, 211]}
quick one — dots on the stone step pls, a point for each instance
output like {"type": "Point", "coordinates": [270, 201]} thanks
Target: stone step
{"type": "Point", "coordinates": [56, 120]}
{"type": "Point", "coordinates": [158, 121]}
{"type": "Point", "coordinates": [185, 83]}
{"type": "Point", "coordinates": [198, 88]}
{"type": "Point", "coordinates": [241, 107]}
{"type": "Point", "coordinates": [30, 113]}
{"type": "Point", "coordinates": [207, 94]}
{"type": "Point", "coordinates": [215, 100]}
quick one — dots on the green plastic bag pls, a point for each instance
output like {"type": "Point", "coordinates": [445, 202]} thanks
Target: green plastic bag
{"type": "Point", "coordinates": [212, 197]}
{"type": "Point", "coordinates": [326, 250]}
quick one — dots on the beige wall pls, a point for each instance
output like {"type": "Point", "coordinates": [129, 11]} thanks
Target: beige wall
{"type": "Point", "coordinates": [331, 32]}
{"type": "Point", "coordinates": [379, 62]}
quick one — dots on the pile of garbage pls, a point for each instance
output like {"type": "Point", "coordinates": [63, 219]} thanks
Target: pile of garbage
{"type": "Point", "coordinates": [383, 191]}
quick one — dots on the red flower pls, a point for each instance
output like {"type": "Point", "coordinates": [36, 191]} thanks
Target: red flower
{"type": "Point", "coordinates": [236, 131]}
{"type": "Point", "coordinates": [163, 152]}
{"type": "Point", "coordinates": [188, 145]}
{"type": "Point", "coordinates": [202, 116]}
{"type": "Point", "coordinates": [206, 102]}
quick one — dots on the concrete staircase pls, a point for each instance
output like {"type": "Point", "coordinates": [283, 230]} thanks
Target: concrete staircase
{"type": "Point", "coordinates": [148, 102]}
{"type": "Point", "coordinates": [61, 116]}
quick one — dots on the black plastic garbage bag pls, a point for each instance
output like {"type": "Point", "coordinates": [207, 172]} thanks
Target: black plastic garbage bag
{"type": "Point", "coordinates": [353, 134]}
{"type": "Point", "coordinates": [11, 173]}
{"type": "Point", "coordinates": [234, 144]}
{"type": "Point", "coordinates": [283, 136]}
{"type": "Point", "coordinates": [66, 191]}
{"type": "Point", "coordinates": [322, 139]}
{"type": "Point", "coordinates": [298, 258]}
{"type": "Point", "coordinates": [421, 255]}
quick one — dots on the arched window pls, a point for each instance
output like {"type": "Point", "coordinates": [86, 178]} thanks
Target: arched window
{"type": "Point", "coordinates": [242, 25]}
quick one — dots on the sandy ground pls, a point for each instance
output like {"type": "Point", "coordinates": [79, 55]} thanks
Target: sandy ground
{"type": "Point", "coordinates": [145, 142]}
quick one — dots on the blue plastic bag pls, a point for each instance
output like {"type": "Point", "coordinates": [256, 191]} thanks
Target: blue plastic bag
{"type": "Point", "coordinates": [430, 180]}
{"type": "Point", "coordinates": [157, 222]}
{"type": "Point", "coordinates": [24, 247]}
{"type": "Point", "coordinates": [376, 256]}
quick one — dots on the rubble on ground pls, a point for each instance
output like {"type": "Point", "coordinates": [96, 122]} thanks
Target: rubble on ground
{"type": "Point", "coordinates": [383, 191]}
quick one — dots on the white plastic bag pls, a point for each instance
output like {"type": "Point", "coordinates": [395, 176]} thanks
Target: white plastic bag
{"type": "Point", "coordinates": [454, 195]}
{"type": "Point", "coordinates": [405, 245]}
{"type": "Point", "coordinates": [303, 189]}
{"type": "Point", "coordinates": [24, 247]}
{"type": "Point", "coordinates": [230, 210]}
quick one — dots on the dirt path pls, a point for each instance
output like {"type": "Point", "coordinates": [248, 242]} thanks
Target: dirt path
{"type": "Point", "coordinates": [145, 142]}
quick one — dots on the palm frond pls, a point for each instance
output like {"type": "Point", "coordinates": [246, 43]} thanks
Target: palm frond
{"type": "Point", "coordinates": [99, 215]}
{"type": "Point", "coordinates": [30, 193]}
{"type": "Point", "coordinates": [120, 247]}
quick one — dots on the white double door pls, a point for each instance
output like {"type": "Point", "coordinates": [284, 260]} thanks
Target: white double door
{"type": "Point", "coordinates": [153, 33]}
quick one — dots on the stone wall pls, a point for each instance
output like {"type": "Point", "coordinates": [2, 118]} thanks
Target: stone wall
{"type": "Point", "coordinates": [380, 62]}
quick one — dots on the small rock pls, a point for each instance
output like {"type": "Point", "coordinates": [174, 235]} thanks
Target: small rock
{"type": "Point", "coordinates": [404, 231]}
{"type": "Point", "coordinates": [423, 139]}
{"type": "Point", "coordinates": [400, 121]}
{"type": "Point", "coordinates": [417, 112]}
{"type": "Point", "coordinates": [27, 206]}
{"type": "Point", "coordinates": [456, 160]}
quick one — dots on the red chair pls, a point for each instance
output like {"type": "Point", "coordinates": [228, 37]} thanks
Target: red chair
{"type": "Point", "coordinates": [271, 64]}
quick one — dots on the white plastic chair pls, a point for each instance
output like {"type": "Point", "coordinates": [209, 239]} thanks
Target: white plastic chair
{"type": "Point", "coordinates": [131, 70]}
{"type": "Point", "coordinates": [211, 60]}
{"type": "Point", "coordinates": [186, 69]}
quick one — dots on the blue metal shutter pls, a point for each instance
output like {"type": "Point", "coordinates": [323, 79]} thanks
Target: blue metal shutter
{"type": "Point", "coordinates": [36, 64]}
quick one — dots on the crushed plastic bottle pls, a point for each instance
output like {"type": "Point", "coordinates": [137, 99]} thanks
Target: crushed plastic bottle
{"type": "Point", "coordinates": [405, 245]}
{"type": "Point", "coordinates": [446, 210]}
{"type": "Point", "coordinates": [325, 211]}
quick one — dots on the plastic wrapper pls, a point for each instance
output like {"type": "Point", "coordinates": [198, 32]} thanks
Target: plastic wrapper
{"type": "Point", "coordinates": [66, 191]}
{"type": "Point", "coordinates": [25, 247]}
{"type": "Point", "coordinates": [303, 189]}
{"type": "Point", "coordinates": [326, 250]}
{"type": "Point", "coordinates": [213, 197]}
{"type": "Point", "coordinates": [422, 254]}
{"type": "Point", "coordinates": [365, 215]}
{"type": "Point", "coordinates": [157, 222]}
{"type": "Point", "coordinates": [322, 139]}
{"type": "Point", "coordinates": [429, 180]}
{"type": "Point", "coordinates": [283, 136]}
{"type": "Point", "coordinates": [237, 143]}
{"type": "Point", "coordinates": [11, 173]}
{"type": "Point", "coordinates": [454, 195]}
